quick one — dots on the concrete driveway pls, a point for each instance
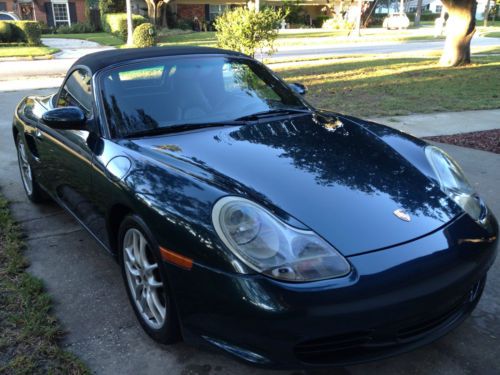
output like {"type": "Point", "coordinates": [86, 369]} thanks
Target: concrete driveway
{"type": "Point", "coordinates": [90, 299]}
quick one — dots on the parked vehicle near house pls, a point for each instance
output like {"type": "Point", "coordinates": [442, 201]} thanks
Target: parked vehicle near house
{"type": "Point", "coordinates": [396, 21]}
{"type": "Point", "coordinates": [244, 218]}
{"type": "Point", "coordinates": [8, 16]}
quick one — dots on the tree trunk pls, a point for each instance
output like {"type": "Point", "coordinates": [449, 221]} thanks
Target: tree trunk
{"type": "Point", "coordinates": [460, 29]}
{"type": "Point", "coordinates": [151, 10]}
{"type": "Point", "coordinates": [418, 13]}
{"type": "Point", "coordinates": [164, 22]}
{"type": "Point", "coordinates": [130, 30]}
{"type": "Point", "coordinates": [486, 13]}
{"type": "Point", "coordinates": [365, 16]}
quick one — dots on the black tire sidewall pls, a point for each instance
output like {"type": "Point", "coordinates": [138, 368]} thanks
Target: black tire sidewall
{"type": "Point", "coordinates": [169, 332]}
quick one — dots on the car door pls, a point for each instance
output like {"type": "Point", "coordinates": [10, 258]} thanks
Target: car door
{"type": "Point", "coordinates": [66, 154]}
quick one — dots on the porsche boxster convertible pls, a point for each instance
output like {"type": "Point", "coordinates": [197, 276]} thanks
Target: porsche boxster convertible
{"type": "Point", "coordinates": [246, 219]}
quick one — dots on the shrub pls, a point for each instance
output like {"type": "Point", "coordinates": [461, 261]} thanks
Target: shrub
{"type": "Point", "coordinates": [25, 31]}
{"type": "Point", "coordinates": [184, 24]}
{"type": "Point", "coordinates": [247, 31]}
{"type": "Point", "coordinates": [111, 6]}
{"type": "Point", "coordinates": [116, 23]}
{"type": "Point", "coordinates": [294, 12]}
{"type": "Point", "coordinates": [337, 24]}
{"type": "Point", "coordinates": [76, 28]}
{"type": "Point", "coordinates": [31, 32]}
{"type": "Point", "coordinates": [5, 32]}
{"type": "Point", "coordinates": [318, 22]}
{"type": "Point", "coordinates": [377, 19]}
{"type": "Point", "coordinates": [424, 16]}
{"type": "Point", "coordinates": [144, 35]}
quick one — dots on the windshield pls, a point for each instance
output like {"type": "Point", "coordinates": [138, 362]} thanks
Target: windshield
{"type": "Point", "coordinates": [168, 92]}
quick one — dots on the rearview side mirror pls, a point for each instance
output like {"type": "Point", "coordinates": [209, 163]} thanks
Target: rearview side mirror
{"type": "Point", "coordinates": [299, 88]}
{"type": "Point", "coordinates": [65, 118]}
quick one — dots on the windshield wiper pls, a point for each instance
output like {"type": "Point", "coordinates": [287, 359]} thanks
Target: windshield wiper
{"type": "Point", "coordinates": [272, 113]}
{"type": "Point", "coordinates": [181, 127]}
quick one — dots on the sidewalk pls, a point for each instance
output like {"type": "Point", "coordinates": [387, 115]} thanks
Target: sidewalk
{"type": "Point", "coordinates": [443, 123]}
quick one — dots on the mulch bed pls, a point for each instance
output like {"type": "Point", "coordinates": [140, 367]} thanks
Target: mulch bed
{"type": "Point", "coordinates": [488, 140]}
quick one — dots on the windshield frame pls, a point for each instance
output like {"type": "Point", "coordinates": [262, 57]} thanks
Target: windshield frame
{"type": "Point", "coordinates": [98, 80]}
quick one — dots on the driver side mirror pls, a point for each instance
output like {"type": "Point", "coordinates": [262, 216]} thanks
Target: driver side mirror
{"type": "Point", "coordinates": [65, 118]}
{"type": "Point", "coordinates": [299, 88]}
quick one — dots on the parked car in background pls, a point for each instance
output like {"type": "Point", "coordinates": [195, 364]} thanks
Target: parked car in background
{"type": "Point", "coordinates": [8, 16]}
{"type": "Point", "coordinates": [396, 21]}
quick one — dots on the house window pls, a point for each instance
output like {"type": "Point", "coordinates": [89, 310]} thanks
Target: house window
{"type": "Point", "coordinates": [439, 8]}
{"type": "Point", "coordinates": [215, 10]}
{"type": "Point", "coordinates": [60, 9]}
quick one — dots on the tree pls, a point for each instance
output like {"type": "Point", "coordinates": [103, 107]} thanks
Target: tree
{"type": "Point", "coordinates": [155, 8]}
{"type": "Point", "coordinates": [460, 29]}
{"type": "Point", "coordinates": [418, 14]}
{"type": "Point", "coordinates": [246, 30]}
{"type": "Point", "coordinates": [130, 26]}
{"type": "Point", "coordinates": [111, 6]}
{"type": "Point", "coordinates": [486, 13]}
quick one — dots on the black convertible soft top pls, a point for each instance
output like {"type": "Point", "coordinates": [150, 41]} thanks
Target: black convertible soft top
{"type": "Point", "coordinates": [98, 60]}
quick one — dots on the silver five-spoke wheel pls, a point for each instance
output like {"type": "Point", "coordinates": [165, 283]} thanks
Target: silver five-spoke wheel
{"type": "Point", "coordinates": [24, 167]}
{"type": "Point", "coordinates": [143, 276]}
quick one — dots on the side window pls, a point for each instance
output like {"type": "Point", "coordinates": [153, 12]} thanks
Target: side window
{"type": "Point", "coordinates": [77, 92]}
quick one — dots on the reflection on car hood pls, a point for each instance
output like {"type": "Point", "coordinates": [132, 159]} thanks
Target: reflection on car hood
{"type": "Point", "coordinates": [336, 178]}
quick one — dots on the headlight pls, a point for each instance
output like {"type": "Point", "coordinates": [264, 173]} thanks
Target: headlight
{"type": "Point", "coordinates": [273, 248]}
{"type": "Point", "coordinates": [453, 182]}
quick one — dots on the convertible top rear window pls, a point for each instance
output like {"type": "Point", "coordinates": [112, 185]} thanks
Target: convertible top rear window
{"type": "Point", "coordinates": [166, 92]}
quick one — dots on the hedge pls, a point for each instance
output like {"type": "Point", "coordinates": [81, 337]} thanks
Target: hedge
{"type": "Point", "coordinates": [116, 23]}
{"type": "Point", "coordinates": [5, 32]}
{"type": "Point", "coordinates": [424, 16]}
{"type": "Point", "coordinates": [76, 28]}
{"type": "Point", "coordinates": [21, 31]}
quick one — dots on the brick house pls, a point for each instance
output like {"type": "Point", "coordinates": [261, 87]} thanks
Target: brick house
{"type": "Point", "coordinates": [52, 12]}
{"type": "Point", "coordinates": [208, 10]}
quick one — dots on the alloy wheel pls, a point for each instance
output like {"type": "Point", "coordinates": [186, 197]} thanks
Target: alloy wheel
{"type": "Point", "coordinates": [25, 168]}
{"type": "Point", "coordinates": [143, 277]}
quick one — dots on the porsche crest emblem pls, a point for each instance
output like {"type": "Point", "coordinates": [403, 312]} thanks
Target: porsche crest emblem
{"type": "Point", "coordinates": [401, 214]}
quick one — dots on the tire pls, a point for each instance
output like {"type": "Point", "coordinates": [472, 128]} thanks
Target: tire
{"type": "Point", "coordinates": [33, 191]}
{"type": "Point", "coordinates": [142, 282]}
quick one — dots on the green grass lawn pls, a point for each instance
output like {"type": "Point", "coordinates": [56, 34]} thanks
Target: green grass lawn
{"type": "Point", "coordinates": [306, 37]}
{"type": "Point", "coordinates": [492, 34]}
{"type": "Point", "coordinates": [492, 30]}
{"type": "Point", "coordinates": [29, 333]}
{"type": "Point", "coordinates": [21, 51]}
{"type": "Point", "coordinates": [106, 39]}
{"type": "Point", "coordinates": [370, 86]}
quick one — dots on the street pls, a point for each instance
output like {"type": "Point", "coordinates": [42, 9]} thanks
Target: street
{"type": "Point", "coordinates": [379, 48]}
{"type": "Point", "coordinates": [90, 301]}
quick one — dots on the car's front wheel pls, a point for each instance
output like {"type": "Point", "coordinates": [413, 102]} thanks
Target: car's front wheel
{"type": "Point", "coordinates": [33, 191]}
{"type": "Point", "coordinates": [146, 282]}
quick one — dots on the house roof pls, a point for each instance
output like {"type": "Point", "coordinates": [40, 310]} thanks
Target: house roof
{"type": "Point", "coordinates": [99, 60]}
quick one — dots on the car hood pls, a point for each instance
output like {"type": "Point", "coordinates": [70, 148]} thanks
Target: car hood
{"type": "Point", "coordinates": [334, 176]}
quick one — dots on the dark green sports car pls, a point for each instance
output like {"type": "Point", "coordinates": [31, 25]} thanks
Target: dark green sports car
{"type": "Point", "coordinates": [246, 219]}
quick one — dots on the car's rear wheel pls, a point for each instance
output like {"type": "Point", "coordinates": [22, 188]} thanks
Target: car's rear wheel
{"type": "Point", "coordinates": [33, 191]}
{"type": "Point", "coordinates": [146, 282]}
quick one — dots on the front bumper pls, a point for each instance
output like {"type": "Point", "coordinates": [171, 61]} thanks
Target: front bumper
{"type": "Point", "coordinates": [395, 300]}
